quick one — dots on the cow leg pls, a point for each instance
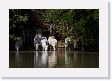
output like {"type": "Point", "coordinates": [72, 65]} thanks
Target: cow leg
{"type": "Point", "coordinates": [65, 47]}
{"type": "Point", "coordinates": [43, 48]}
{"type": "Point", "coordinates": [36, 46]}
{"type": "Point", "coordinates": [46, 48]}
{"type": "Point", "coordinates": [54, 48]}
{"type": "Point", "coordinates": [17, 48]}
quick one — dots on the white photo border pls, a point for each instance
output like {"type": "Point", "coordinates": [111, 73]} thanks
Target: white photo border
{"type": "Point", "coordinates": [102, 71]}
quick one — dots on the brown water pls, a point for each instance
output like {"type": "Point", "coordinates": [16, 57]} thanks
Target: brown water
{"type": "Point", "coordinates": [53, 59]}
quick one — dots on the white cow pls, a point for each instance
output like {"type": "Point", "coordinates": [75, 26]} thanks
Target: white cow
{"type": "Point", "coordinates": [18, 43]}
{"type": "Point", "coordinates": [37, 40]}
{"type": "Point", "coordinates": [67, 40]}
{"type": "Point", "coordinates": [53, 42]}
{"type": "Point", "coordinates": [44, 43]}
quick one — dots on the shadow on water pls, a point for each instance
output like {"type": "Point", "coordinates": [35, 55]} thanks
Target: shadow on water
{"type": "Point", "coordinates": [53, 59]}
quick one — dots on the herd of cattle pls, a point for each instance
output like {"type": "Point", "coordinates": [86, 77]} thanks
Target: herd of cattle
{"type": "Point", "coordinates": [42, 41]}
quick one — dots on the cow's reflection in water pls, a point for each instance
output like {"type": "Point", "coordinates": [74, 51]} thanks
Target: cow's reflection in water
{"type": "Point", "coordinates": [52, 60]}
{"type": "Point", "coordinates": [70, 59]}
{"type": "Point", "coordinates": [44, 59]}
{"type": "Point", "coordinates": [41, 59]}
{"type": "Point", "coordinates": [18, 59]}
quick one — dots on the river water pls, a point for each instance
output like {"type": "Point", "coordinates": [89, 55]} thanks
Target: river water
{"type": "Point", "coordinates": [53, 59]}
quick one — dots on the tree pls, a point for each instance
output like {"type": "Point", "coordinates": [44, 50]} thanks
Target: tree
{"type": "Point", "coordinates": [82, 24]}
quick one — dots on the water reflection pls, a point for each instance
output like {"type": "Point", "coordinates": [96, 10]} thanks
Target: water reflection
{"type": "Point", "coordinates": [18, 59]}
{"type": "Point", "coordinates": [40, 59]}
{"type": "Point", "coordinates": [53, 59]}
{"type": "Point", "coordinates": [70, 58]}
{"type": "Point", "coordinates": [44, 59]}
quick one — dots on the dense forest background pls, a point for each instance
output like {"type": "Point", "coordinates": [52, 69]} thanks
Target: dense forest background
{"type": "Point", "coordinates": [79, 24]}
